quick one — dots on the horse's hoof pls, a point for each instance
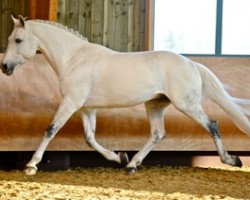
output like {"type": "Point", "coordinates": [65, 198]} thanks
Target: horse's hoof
{"type": "Point", "coordinates": [30, 171]}
{"type": "Point", "coordinates": [131, 170]}
{"type": "Point", "coordinates": [124, 158]}
{"type": "Point", "coordinates": [237, 161]}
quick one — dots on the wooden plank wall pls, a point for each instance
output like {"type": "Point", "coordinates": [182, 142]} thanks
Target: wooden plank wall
{"type": "Point", "coordinates": [46, 9]}
{"type": "Point", "coordinates": [117, 24]}
{"type": "Point", "coordinates": [8, 8]}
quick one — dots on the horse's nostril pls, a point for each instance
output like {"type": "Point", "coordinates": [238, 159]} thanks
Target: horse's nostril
{"type": "Point", "coordinates": [4, 66]}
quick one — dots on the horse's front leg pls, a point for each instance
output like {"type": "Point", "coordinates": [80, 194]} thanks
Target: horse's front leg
{"type": "Point", "coordinates": [64, 112]}
{"type": "Point", "coordinates": [89, 123]}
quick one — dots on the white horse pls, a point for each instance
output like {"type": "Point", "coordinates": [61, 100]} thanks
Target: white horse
{"type": "Point", "coordinates": [92, 76]}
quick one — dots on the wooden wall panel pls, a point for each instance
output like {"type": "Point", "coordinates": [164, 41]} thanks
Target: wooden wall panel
{"type": "Point", "coordinates": [46, 9]}
{"type": "Point", "coordinates": [8, 8]}
{"type": "Point", "coordinates": [111, 28]}
{"type": "Point", "coordinates": [136, 25]}
{"type": "Point", "coordinates": [61, 11]}
{"type": "Point", "coordinates": [149, 25]}
{"type": "Point", "coordinates": [105, 22]}
{"type": "Point", "coordinates": [71, 18]}
{"type": "Point", "coordinates": [84, 18]}
{"type": "Point", "coordinates": [121, 28]}
{"type": "Point", "coordinates": [130, 25]}
{"type": "Point", "coordinates": [142, 25]}
{"type": "Point", "coordinates": [53, 10]}
{"type": "Point", "coordinates": [117, 24]}
{"type": "Point", "coordinates": [33, 9]}
{"type": "Point", "coordinates": [97, 21]}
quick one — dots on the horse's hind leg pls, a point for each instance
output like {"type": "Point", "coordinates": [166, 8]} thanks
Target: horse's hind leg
{"type": "Point", "coordinates": [89, 123]}
{"type": "Point", "coordinates": [155, 112]}
{"type": "Point", "coordinates": [195, 111]}
{"type": "Point", "coordinates": [225, 157]}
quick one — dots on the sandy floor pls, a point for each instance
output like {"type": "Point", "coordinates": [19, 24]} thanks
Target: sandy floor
{"type": "Point", "coordinates": [149, 183]}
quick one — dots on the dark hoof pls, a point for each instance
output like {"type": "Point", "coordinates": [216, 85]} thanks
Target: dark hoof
{"type": "Point", "coordinates": [131, 170]}
{"type": "Point", "coordinates": [237, 161]}
{"type": "Point", "coordinates": [124, 158]}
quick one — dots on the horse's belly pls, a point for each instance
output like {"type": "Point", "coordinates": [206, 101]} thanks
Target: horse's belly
{"type": "Point", "coordinates": [119, 98]}
{"type": "Point", "coordinates": [99, 102]}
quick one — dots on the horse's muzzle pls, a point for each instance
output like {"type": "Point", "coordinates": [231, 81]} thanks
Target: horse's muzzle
{"type": "Point", "coordinates": [7, 69]}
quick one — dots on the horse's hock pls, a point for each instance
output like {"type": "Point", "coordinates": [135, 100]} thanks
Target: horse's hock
{"type": "Point", "coordinates": [29, 99]}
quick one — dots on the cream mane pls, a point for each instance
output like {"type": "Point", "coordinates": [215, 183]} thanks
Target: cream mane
{"type": "Point", "coordinates": [76, 33]}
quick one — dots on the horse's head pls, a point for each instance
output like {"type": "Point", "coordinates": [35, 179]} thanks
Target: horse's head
{"type": "Point", "coordinates": [22, 46]}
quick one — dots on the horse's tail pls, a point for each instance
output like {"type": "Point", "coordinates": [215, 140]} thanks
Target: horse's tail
{"type": "Point", "coordinates": [214, 89]}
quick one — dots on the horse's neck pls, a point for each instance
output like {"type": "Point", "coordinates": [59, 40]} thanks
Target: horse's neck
{"type": "Point", "coordinates": [58, 45]}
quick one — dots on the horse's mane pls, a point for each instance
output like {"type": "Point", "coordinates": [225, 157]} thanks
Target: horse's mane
{"type": "Point", "coordinates": [76, 33]}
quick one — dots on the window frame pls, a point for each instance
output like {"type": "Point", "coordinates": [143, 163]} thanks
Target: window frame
{"type": "Point", "coordinates": [149, 32]}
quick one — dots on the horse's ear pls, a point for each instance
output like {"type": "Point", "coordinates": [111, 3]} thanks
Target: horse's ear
{"type": "Point", "coordinates": [21, 20]}
{"type": "Point", "coordinates": [14, 20]}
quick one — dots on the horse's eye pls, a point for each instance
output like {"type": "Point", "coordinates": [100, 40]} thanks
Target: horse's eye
{"type": "Point", "coordinates": [18, 41]}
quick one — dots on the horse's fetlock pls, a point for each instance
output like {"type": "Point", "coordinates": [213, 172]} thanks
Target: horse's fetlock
{"type": "Point", "coordinates": [89, 143]}
{"type": "Point", "coordinates": [138, 162]}
{"type": "Point", "coordinates": [33, 161]}
{"type": "Point", "coordinates": [37, 159]}
{"type": "Point", "coordinates": [131, 170]}
{"type": "Point", "coordinates": [112, 156]}
{"type": "Point", "coordinates": [231, 160]}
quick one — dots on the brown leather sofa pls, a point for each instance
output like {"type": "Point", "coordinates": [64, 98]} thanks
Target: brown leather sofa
{"type": "Point", "coordinates": [29, 99]}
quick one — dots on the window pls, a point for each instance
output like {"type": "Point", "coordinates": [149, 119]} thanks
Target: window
{"type": "Point", "coordinates": [184, 26]}
{"type": "Point", "coordinates": [207, 27]}
{"type": "Point", "coordinates": [236, 27]}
